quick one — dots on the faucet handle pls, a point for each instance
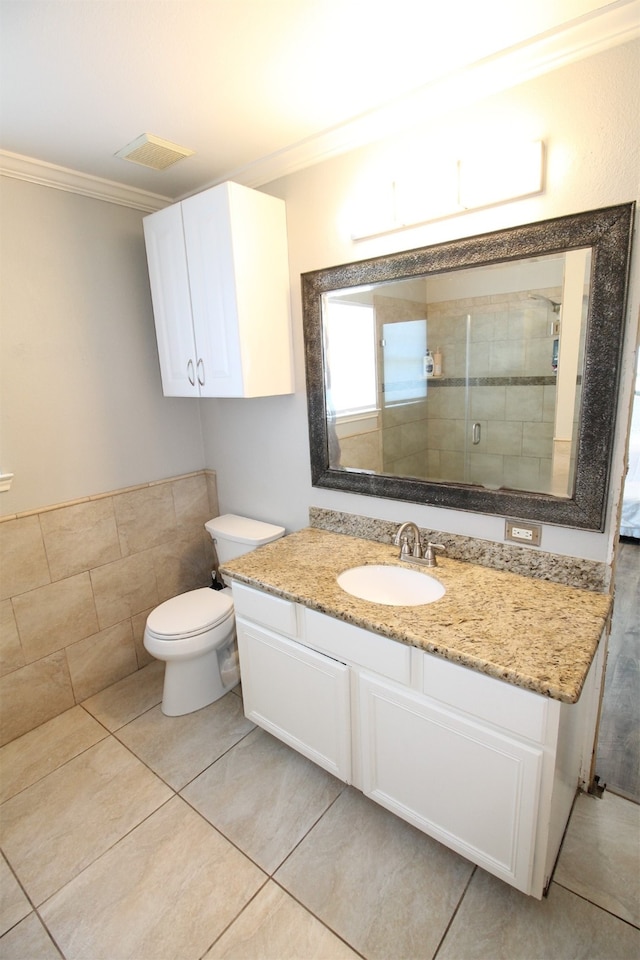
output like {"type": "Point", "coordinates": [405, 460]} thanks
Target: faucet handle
{"type": "Point", "coordinates": [405, 550]}
{"type": "Point", "coordinates": [429, 554]}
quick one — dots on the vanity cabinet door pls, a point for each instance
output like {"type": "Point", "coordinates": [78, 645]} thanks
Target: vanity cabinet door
{"type": "Point", "coordinates": [465, 784]}
{"type": "Point", "coordinates": [300, 696]}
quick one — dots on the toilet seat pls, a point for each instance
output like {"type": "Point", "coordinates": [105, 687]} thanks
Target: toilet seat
{"type": "Point", "coordinates": [190, 614]}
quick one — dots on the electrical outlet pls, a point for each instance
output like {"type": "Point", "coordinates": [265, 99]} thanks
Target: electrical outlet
{"type": "Point", "coordinates": [521, 532]}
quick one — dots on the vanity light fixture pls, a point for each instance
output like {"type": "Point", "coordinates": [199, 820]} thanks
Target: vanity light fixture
{"type": "Point", "coordinates": [150, 151]}
{"type": "Point", "coordinates": [483, 178]}
{"type": "Point", "coordinates": [506, 172]}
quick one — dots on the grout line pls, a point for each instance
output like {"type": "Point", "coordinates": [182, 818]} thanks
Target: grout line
{"type": "Point", "coordinates": [316, 917]}
{"type": "Point", "coordinates": [599, 906]}
{"type": "Point", "coordinates": [237, 916]}
{"type": "Point", "coordinates": [455, 913]}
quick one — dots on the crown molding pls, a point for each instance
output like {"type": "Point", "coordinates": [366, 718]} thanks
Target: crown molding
{"type": "Point", "coordinates": [584, 37]}
{"type": "Point", "coordinates": [72, 181]}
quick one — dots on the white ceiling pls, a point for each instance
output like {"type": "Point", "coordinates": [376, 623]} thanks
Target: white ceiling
{"type": "Point", "coordinates": [258, 88]}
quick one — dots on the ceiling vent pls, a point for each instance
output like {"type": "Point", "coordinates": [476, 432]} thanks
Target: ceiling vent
{"type": "Point", "coordinates": [150, 151]}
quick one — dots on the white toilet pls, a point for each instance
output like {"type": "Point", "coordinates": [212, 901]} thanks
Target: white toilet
{"type": "Point", "coordinates": [194, 633]}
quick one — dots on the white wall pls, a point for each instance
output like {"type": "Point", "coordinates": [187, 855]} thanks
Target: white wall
{"type": "Point", "coordinates": [585, 113]}
{"type": "Point", "coordinates": [82, 405]}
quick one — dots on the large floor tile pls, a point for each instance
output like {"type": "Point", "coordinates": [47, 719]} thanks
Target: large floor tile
{"type": "Point", "coordinates": [600, 856]}
{"type": "Point", "coordinates": [13, 903]}
{"type": "Point", "coordinates": [128, 698]}
{"type": "Point", "coordinates": [60, 824]}
{"type": "Point", "coordinates": [166, 891]}
{"type": "Point", "coordinates": [495, 921]}
{"type": "Point", "coordinates": [274, 927]}
{"type": "Point", "coordinates": [41, 751]}
{"type": "Point", "coordinates": [264, 797]}
{"type": "Point", "coordinates": [179, 748]}
{"type": "Point", "coordinates": [28, 941]}
{"type": "Point", "coordinates": [379, 883]}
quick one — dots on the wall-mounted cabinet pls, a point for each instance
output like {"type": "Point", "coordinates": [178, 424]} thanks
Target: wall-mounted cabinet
{"type": "Point", "coordinates": [219, 274]}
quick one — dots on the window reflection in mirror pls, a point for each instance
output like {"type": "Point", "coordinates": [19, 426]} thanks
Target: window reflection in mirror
{"type": "Point", "coordinates": [469, 376]}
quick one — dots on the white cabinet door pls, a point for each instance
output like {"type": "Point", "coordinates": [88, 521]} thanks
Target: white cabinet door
{"type": "Point", "coordinates": [468, 786]}
{"type": "Point", "coordinates": [298, 695]}
{"type": "Point", "coordinates": [236, 242]}
{"type": "Point", "coordinates": [209, 246]}
{"type": "Point", "coordinates": [169, 278]}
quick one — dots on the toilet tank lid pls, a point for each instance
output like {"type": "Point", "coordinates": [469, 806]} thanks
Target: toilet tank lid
{"type": "Point", "coordinates": [243, 530]}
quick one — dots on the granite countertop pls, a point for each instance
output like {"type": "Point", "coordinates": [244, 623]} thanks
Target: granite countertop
{"type": "Point", "coordinates": [534, 634]}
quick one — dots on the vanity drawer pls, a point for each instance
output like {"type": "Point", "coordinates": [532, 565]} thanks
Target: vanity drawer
{"type": "Point", "coordinates": [266, 609]}
{"type": "Point", "coordinates": [355, 645]}
{"type": "Point", "coordinates": [512, 708]}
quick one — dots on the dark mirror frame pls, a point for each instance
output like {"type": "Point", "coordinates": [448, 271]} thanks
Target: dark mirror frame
{"type": "Point", "coordinates": [608, 232]}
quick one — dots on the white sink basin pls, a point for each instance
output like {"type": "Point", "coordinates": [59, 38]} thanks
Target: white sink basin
{"type": "Point", "coordinates": [393, 586]}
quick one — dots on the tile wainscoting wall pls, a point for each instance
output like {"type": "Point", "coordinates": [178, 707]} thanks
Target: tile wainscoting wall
{"type": "Point", "coordinates": [77, 583]}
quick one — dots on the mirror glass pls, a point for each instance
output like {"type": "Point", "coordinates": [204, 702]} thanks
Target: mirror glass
{"type": "Point", "coordinates": [471, 376]}
{"type": "Point", "coordinates": [477, 374]}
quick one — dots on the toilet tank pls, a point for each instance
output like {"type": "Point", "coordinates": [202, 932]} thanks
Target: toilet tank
{"type": "Point", "coordinates": [234, 535]}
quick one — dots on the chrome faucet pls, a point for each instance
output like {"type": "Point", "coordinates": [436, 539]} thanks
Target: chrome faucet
{"type": "Point", "coordinates": [401, 537]}
{"type": "Point", "coordinates": [415, 555]}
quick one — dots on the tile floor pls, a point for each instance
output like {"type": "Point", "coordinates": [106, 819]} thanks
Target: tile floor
{"type": "Point", "coordinates": [127, 834]}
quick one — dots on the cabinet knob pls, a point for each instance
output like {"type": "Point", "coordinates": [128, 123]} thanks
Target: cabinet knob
{"type": "Point", "coordinates": [190, 373]}
{"type": "Point", "coordinates": [200, 368]}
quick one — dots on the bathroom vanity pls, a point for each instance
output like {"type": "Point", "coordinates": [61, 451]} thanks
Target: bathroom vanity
{"type": "Point", "coordinates": [475, 728]}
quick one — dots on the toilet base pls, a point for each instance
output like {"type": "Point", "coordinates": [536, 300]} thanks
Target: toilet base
{"type": "Point", "coordinates": [192, 684]}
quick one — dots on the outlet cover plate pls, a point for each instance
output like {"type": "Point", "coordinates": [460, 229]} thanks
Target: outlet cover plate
{"type": "Point", "coordinates": [522, 532]}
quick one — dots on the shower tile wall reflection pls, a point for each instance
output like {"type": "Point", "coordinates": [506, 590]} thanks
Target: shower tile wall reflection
{"type": "Point", "coordinates": [497, 374]}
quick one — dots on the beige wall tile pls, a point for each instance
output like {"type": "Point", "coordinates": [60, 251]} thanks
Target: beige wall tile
{"type": "Point", "coordinates": [362, 451]}
{"type": "Point", "coordinates": [124, 588]}
{"type": "Point", "coordinates": [55, 616]}
{"type": "Point", "coordinates": [452, 465]}
{"type": "Point", "coordinates": [212, 489]}
{"type": "Point", "coordinates": [34, 694]}
{"type": "Point", "coordinates": [98, 661]}
{"type": "Point", "coordinates": [488, 403]}
{"type": "Point", "coordinates": [537, 439]}
{"type": "Point", "coordinates": [23, 561]}
{"type": "Point", "coordinates": [145, 518]}
{"type": "Point", "coordinates": [486, 468]}
{"type": "Point", "coordinates": [414, 465]}
{"type": "Point", "coordinates": [80, 537]}
{"type": "Point", "coordinates": [504, 437]}
{"type": "Point", "coordinates": [183, 565]}
{"type": "Point", "coordinates": [522, 473]}
{"type": "Point", "coordinates": [191, 503]}
{"type": "Point", "coordinates": [138, 623]}
{"type": "Point", "coordinates": [11, 655]}
{"type": "Point", "coordinates": [525, 403]}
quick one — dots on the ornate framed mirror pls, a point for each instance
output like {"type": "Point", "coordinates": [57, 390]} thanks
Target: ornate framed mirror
{"type": "Point", "coordinates": [479, 374]}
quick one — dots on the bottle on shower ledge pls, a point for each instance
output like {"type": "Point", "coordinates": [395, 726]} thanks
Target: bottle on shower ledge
{"type": "Point", "coordinates": [437, 363]}
{"type": "Point", "coordinates": [427, 365]}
